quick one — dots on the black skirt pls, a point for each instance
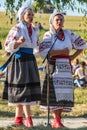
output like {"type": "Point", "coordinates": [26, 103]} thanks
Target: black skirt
{"type": "Point", "coordinates": [22, 80]}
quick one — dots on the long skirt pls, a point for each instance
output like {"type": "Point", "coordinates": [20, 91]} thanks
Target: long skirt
{"type": "Point", "coordinates": [22, 80]}
{"type": "Point", "coordinates": [58, 78]}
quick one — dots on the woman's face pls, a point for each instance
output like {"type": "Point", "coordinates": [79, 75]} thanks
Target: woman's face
{"type": "Point", "coordinates": [57, 22]}
{"type": "Point", "coordinates": [28, 16]}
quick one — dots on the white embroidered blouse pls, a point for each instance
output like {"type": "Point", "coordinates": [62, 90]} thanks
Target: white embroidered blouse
{"type": "Point", "coordinates": [71, 41]}
{"type": "Point", "coordinates": [18, 30]}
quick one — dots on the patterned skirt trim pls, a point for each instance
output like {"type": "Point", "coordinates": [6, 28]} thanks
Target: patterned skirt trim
{"type": "Point", "coordinates": [61, 89]}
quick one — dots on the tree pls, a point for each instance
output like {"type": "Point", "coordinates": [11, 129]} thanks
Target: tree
{"type": "Point", "coordinates": [10, 5]}
{"type": "Point", "coordinates": [62, 5]}
{"type": "Point", "coordinates": [40, 4]}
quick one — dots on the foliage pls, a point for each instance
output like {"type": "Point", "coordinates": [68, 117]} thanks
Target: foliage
{"type": "Point", "coordinates": [62, 5]}
{"type": "Point", "coordinates": [19, 4]}
{"type": "Point", "coordinates": [10, 5]}
{"type": "Point", "coordinates": [82, 1]}
{"type": "Point", "coordinates": [40, 4]}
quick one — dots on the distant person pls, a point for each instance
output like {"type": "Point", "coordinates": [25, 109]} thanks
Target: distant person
{"type": "Point", "coordinates": [61, 88]}
{"type": "Point", "coordinates": [40, 26]}
{"type": "Point", "coordinates": [22, 86]}
{"type": "Point", "coordinates": [17, 20]}
{"type": "Point", "coordinates": [75, 65]}
{"type": "Point", "coordinates": [36, 25]}
{"type": "Point", "coordinates": [40, 15]}
{"type": "Point", "coordinates": [11, 18]}
{"type": "Point", "coordinates": [0, 45]}
{"type": "Point", "coordinates": [81, 75]}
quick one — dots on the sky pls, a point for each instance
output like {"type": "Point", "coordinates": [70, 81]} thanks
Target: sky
{"type": "Point", "coordinates": [68, 12]}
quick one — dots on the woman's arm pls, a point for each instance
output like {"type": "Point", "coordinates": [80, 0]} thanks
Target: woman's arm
{"type": "Point", "coordinates": [77, 53]}
{"type": "Point", "coordinates": [64, 51]}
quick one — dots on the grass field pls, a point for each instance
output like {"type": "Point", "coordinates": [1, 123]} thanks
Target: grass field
{"type": "Point", "coordinates": [76, 24]}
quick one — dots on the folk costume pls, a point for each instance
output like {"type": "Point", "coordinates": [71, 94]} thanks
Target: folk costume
{"type": "Point", "coordinates": [22, 86]}
{"type": "Point", "coordinates": [22, 79]}
{"type": "Point", "coordinates": [61, 89]}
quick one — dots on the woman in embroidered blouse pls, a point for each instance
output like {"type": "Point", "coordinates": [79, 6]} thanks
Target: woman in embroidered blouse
{"type": "Point", "coordinates": [22, 78]}
{"type": "Point", "coordinates": [61, 88]}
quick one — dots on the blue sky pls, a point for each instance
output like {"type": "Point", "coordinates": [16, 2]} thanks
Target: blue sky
{"type": "Point", "coordinates": [68, 12]}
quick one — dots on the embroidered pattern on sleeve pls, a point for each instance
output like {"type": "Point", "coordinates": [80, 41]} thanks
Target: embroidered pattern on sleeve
{"type": "Point", "coordinates": [79, 42]}
{"type": "Point", "coordinates": [44, 45]}
{"type": "Point", "coordinates": [12, 35]}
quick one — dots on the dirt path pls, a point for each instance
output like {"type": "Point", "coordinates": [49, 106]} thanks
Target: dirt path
{"type": "Point", "coordinates": [68, 122]}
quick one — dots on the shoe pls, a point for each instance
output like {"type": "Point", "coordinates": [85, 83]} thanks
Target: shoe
{"type": "Point", "coordinates": [61, 122]}
{"type": "Point", "coordinates": [18, 121]}
{"type": "Point", "coordinates": [57, 123]}
{"type": "Point", "coordinates": [29, 122]}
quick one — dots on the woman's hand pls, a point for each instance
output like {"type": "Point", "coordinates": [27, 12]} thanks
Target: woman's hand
{"type": "Point", "coordinates": [19, 42]}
